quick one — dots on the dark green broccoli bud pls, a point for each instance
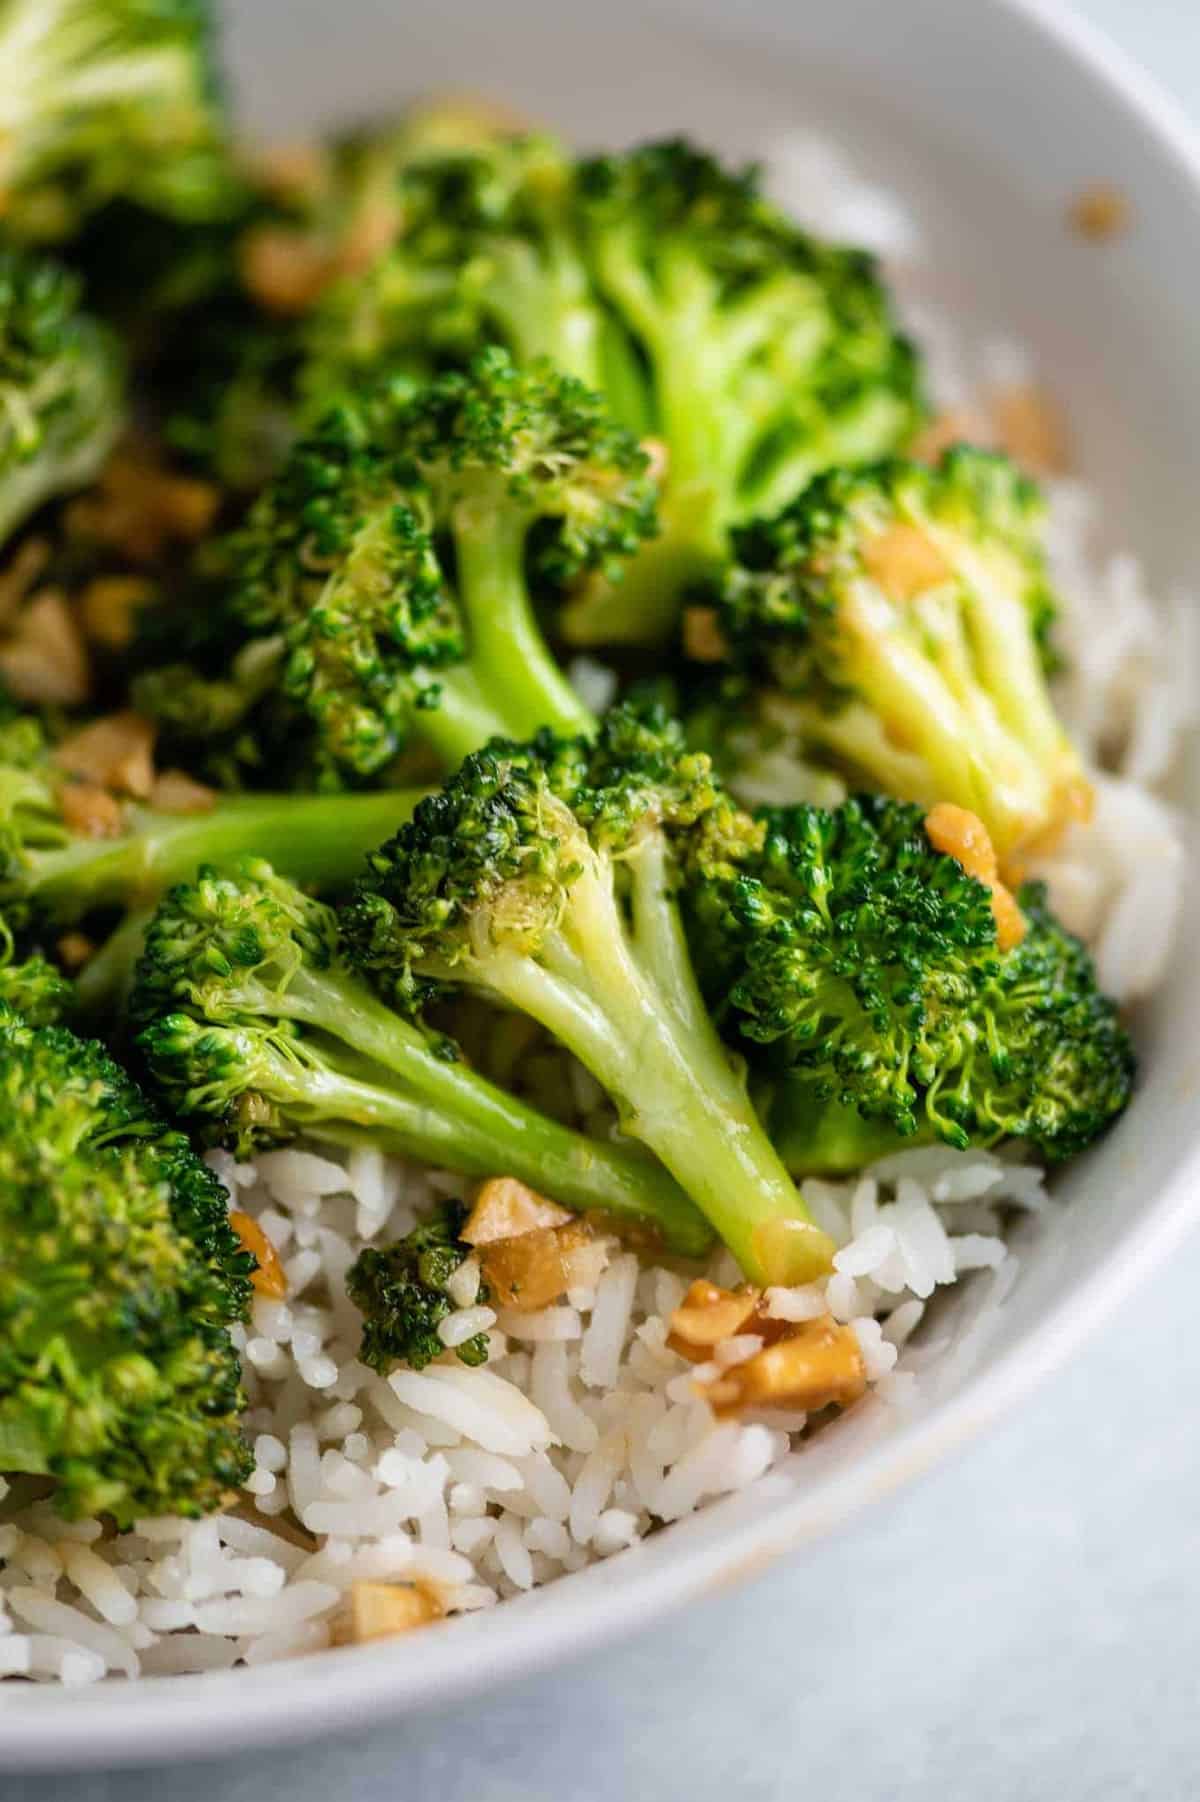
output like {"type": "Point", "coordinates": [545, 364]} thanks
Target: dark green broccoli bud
{"type": "Point", "coordinates": [53, 874]}
{"type": "Point", "coordinates": [769, 356]}
{"type": "Point", "coordinates": [225, 390]}
{"type": "Point", "coordinates": [105, 100]}
{"type": "Point", "coordinates": [119, 1277]}
{"type": "Point", "coordinates": [867, 966]}
{"type": "Point", "coordinates": [386, 585]}
{"type": "Point", "coordinates": [31, 987]}
{"type": "Point", "coordinates": [402, 1295]}
{"type": "Point", "coordinates": [69, 1097]}
{"type": "Point", "coordinates": [61, 387]}
{"type": "Point", "coordinates": [542, 877]}
{"type": "Point", "coordinates": [892, 620]}
{"type": "Point", "coordinates": [247, 1018]}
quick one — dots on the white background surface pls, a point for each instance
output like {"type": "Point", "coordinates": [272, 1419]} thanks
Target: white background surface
{"type": "Point", "coordinates": [1021, 1626]}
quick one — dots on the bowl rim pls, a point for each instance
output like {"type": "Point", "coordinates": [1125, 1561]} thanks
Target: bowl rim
{"type": "Point", "coordinates": [160, 1717]}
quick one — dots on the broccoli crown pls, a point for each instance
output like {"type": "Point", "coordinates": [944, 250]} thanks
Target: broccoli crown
{"type": "Point", "coordinates": [32, 987]}
{"type": "Point", "coordinates": [30, 821]}
{"type": "Point", "coordinates": [898, 616]}
{"type": "Point", "coordinates": [543, 876]}
{"type": "Point", "coordinates": [119, 1275]}
{"type": "Point", "coordinates": [214, 948]}
{"type": "Point", "coordinates": [61, 384]}
{"type": "Point", "coordinates": [385, 585]}
{"type": "Point", "coordinates": [867, 961]}
{"type": "Point", "coordinates": [69, 1096]}
{"type": "Point", "coordinates": [485, 254]}
{"type": "Point", "coordinates": [490, 859]}
{"type": "Point", "coordinates": [401, 1290]}
{"type": "Point", "coordinates": [107, 100]}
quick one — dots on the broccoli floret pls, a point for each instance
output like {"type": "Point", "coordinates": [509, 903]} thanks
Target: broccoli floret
{"type": "Point", "coordinates": [247, 1017]}
{"type": "Point", "coordinates": [386, 585]}
{"type": "Point", "coordinates": [55, 872]}
{"type": "Point", "coordinates": [31, 987]}
{"type": "Point", "coordinates": [61, 387]}
{"type": "Point", "coordinates": [542, 877]}
{"type": "Point", "coordinates": [401, 1292]}
{"type": "Point", "coordinates": [874, 974]}
{"type": "Point", "coordinates": [755, 353]}
{"type": "Point", "coordinates": [489, 252]}
{"type": "Point", "coordinates": [893, 620]}
{"type": "Point", "coordinates": [769, 355]}
{"type": "Point", "coordinates": [104, 100]}
{"type": "Point", "coordinates": [119, 1278]}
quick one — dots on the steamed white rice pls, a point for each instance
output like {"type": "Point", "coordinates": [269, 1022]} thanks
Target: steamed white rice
{"type": "Point", "coordinates": [584, 1432]}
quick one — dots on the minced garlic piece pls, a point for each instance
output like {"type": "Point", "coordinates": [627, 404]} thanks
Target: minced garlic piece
{"type": "Point", "coordinates": [116, 752]}
{"type": "Point", "coordinates": [905, 562]}
{"type": "Point", "coordinates": [505, 1208]}
{"type": "Point", "coordinates": [109, 607]}
{"type": "Point", "coordinates": [45, 661]}
{"type": "Point", "coordinates": [707, 1315]}
{"type": "Point", "coordinates": [268, 1279]}
{"type": "Point", "coordinates": [176, 792]}
{"type": "Point", "coordinates": [1100, 213]}
{"type": "Point", "coordinates": [381, 1610]}
{"type": "Point", "coordinates": [90, 810]}
{"type": "Point", "coordinates": [534, 1269]}
{"type": "Point", "coordinates": [816, 1364]}
{"type": "Point", "coordinates": [703, 639]}
{"type": "Point", "coordinates": [963, 836]}
{"type": "Point", "coordinates": [1031, 428]}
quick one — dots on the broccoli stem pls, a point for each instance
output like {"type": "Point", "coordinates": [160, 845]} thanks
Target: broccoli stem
{"type": "Point", "coordinates": [641, 605]}
{"type": "Point", "coordinates": [630, 1010]}
{"type": "Point", "coordinates": [448, 1113]}
{"type": "Point", "coordinates": [525, 689]}
{"type": "Point", "coordinates": [317, 839]}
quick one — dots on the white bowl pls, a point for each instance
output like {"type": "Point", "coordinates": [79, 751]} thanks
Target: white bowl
{"type": "Point", "coordinates": [989, 116]}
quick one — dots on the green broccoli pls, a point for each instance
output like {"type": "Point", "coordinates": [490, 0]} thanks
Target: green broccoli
{"type": "Point", "coordinates": [55, 873]}
{"type": "Point", "coordinates": [246, 1015]}
{"type": "Point", "coordinates": [542, 877]}
{"type": "Point", "coordinates": [894, 998]}
{"type": "Point", "coordinates": [401, 1292]}
{"type": "Point", "coordinates": [104, 100]}
{"type": "Point", "coordinates": [119, 1278]}
{"type": "Point", "coordinates": [489, 252]}
{"type": "Point", "coordinates": [769, 356]}
{"type": "Point", "coordinates": [386, 585]}
{"type": "Point", "coordinates": [32, 988]}
{"type": "Point", "coordinates": [755, 353]}
{"type": "Point", "coordinates": [61, 387]}
{"type": "Point", "coordinates": [893, 621]}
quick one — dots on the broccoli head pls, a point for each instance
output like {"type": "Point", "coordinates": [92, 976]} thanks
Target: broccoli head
{"type": "Point", "coordinates": [248, 1019]}
{"type": "Point", "coordinates": [542, 877]}
{"type": "Point", "coordinates": [893, 621]}
{"type": "Point", "coordinates": [119, 1277]}
{"type": "Point", "coordinates": [488, 253]}
{"type": "Point", "coordinates": [109, 100]}
{"type": "Point", "coordinates": [897, 994]}
{"type": "Point", "coordinates": [31, 987]}
{"type": "Point", "coordinates": [61, 387]}
{"type": "Point", "coordinates": [401, 1291]}
{"type": "Point", "coordinates": [769, 355]}
{"type": "Point", "coordinates": [386, 585]}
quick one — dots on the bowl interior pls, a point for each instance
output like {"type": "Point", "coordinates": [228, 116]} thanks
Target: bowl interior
{"type": "Point", "coordinates": [986, 122]}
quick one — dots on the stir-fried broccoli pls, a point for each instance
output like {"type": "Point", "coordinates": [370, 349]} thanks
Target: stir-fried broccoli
{"type": "Point", "coordinates": [61, 387]}
{"type": "Point", "coordinates": [489, 252]}
{"type": "Point", "coordinates": [769, 355]}
{"type": "Point", "coordinates": [386, 585]}
{"type": "Point", "coordinates": [755, 353]}
{"type": "Point", "coordinates": [104, 100]}
{"type": "Point", "coordinates": [67, 850]}
{"type": "Point", "coordinates": [894, 620]}
{"type": "Point", "coordinates": [31, 987]}
{"type": "Point", "coordinates": [900, 997]}
{"type": "Point", "coordinates": [542, 876]}
{"type": "Point", "coordinates": [119, 1276]}
{"type": "Point", "coordinates": [246, 1016]}
{"type": "Point", "coordinates": [401, 1292]}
